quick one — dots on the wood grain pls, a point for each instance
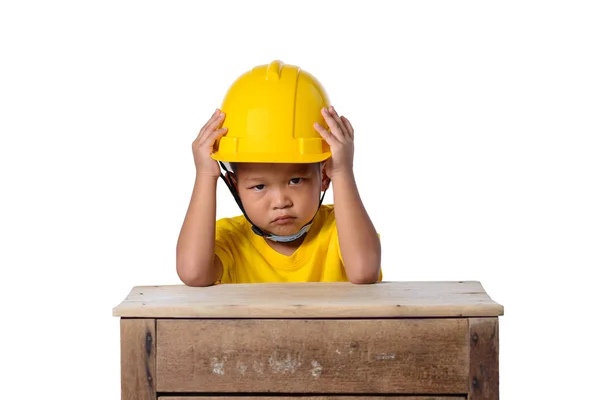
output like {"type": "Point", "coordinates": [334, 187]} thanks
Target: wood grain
{"type": "Point", "coordinates": [311, 300]}
{"type": "Point", "coordinates": [428, 356]}
{"type": "Point", "coordinates": [138, 359]}
{"type": "Point", "coordinates": [313, 398]}
{"type": "Point", "coordinates": [484, 368]}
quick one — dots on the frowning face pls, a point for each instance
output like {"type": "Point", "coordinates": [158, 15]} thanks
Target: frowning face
{"type": "Point", "coordinates": [279, 198]}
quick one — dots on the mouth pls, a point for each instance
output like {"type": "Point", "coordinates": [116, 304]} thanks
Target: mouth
{"type": "Point", "coordinates": [284, 220]}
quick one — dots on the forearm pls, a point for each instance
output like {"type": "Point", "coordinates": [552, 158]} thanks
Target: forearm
{"type": "Point", "coordinates": [196, 243]}
{"type": "Point", "coordinates": [359, 242]}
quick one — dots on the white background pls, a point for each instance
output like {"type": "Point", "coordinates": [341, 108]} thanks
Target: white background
{"type": "Point", "coordinates": [477, 128]}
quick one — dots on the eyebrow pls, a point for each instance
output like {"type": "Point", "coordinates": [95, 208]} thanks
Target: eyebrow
{"type": "Point", "coordinates": [300, 170]}
{"type": "Point", "coordinates": [254, 178]}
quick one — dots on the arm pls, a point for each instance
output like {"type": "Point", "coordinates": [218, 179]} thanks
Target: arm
{"type": "Point", "coordinates": [196, 262]}
{"type": "Point", "coordinates": [359, 242]}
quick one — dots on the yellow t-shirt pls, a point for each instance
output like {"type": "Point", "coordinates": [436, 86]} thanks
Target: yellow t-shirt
{"type": "Point", "coordinates": [247, 258]}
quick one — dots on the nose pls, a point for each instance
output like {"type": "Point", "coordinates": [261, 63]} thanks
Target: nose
{"type": "Point", "coordinates": [281, 199]}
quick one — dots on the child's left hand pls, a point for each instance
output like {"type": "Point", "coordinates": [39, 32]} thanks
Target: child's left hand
{"type": "Point", "coordinates": [340, 140]}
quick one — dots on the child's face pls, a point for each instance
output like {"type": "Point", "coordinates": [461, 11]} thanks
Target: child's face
{"type": "Point", "coordinates": [279, 198]}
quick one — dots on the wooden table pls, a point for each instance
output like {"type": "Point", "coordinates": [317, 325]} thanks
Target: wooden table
{"type": "Point", "coordinates": [405, 340]}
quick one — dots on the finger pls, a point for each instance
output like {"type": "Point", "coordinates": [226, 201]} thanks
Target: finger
{"type": "Point", "coordinates": [213, 126]}
{"type": "Point", "coordinates": [332, 123]}
{"type": "Point", "coordinates": [218, 134]}
{"type": "Point", "coordinates": [210, 138]}
{"type": "Point", "coordinates": [212, 117]}
{"type": "Point", "coordinates": [337, 118]}
{"type": "Point", "coordinates": [210, 124]}
{"type": "Point", "coordinates": [203, 129]}
{"type": "Point", "coordinates": [328, 136]}
{"type": "Point", "coordinates": [349, 127]}
{"type": "Point", "coordinates": [216, 123]}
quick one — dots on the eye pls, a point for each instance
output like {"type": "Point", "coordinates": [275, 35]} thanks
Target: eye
{"type": "Point", "coordinates": [296, 181]}
{"type": "Point", "coordinates": [258, 188]}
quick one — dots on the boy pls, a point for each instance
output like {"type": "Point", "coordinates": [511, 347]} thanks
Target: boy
{"type": "Point", "coordinates": [281, 157]}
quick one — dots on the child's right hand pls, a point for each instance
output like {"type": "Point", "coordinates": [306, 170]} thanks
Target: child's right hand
{"type": "Point", "coordinates": [202, 147]}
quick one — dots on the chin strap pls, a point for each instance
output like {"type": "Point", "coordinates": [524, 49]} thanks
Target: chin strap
{"type": "Point", "coordinates": [256, 229]}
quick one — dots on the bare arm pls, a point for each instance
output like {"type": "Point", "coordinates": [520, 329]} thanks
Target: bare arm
{"type": "Point", "coordinates": [359, 243]}
{"type": "Point", "coordinates": [196, 262]}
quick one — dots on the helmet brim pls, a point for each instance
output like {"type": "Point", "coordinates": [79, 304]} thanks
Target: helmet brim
{"type": "Point", "coordinates": [270, 157]}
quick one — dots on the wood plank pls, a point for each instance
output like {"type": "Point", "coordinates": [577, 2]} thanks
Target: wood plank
{"type": "Point", "coordinates": [138, 359]}
{"type": "Point", "coordinates": [428, 356]}
{"type": "Point", "coordinates": [484, 367]}
{"type": "Point", "coordinates": [312, 397]}
{"type": "Point", "coordinates": [311, 300]}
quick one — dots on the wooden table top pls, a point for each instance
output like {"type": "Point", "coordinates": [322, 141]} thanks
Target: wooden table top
{"type": "Point", "coordinates": [311, 300]}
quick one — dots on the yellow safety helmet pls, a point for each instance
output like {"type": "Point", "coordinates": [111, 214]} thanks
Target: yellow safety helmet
{"type": "Point", "coordinates": [269, 113]}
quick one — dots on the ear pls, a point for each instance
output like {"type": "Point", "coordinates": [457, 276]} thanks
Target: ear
{"type": "Point", "coordinates": [325, 181]}
{"type": "Point", "coordinates": [230, 177]}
